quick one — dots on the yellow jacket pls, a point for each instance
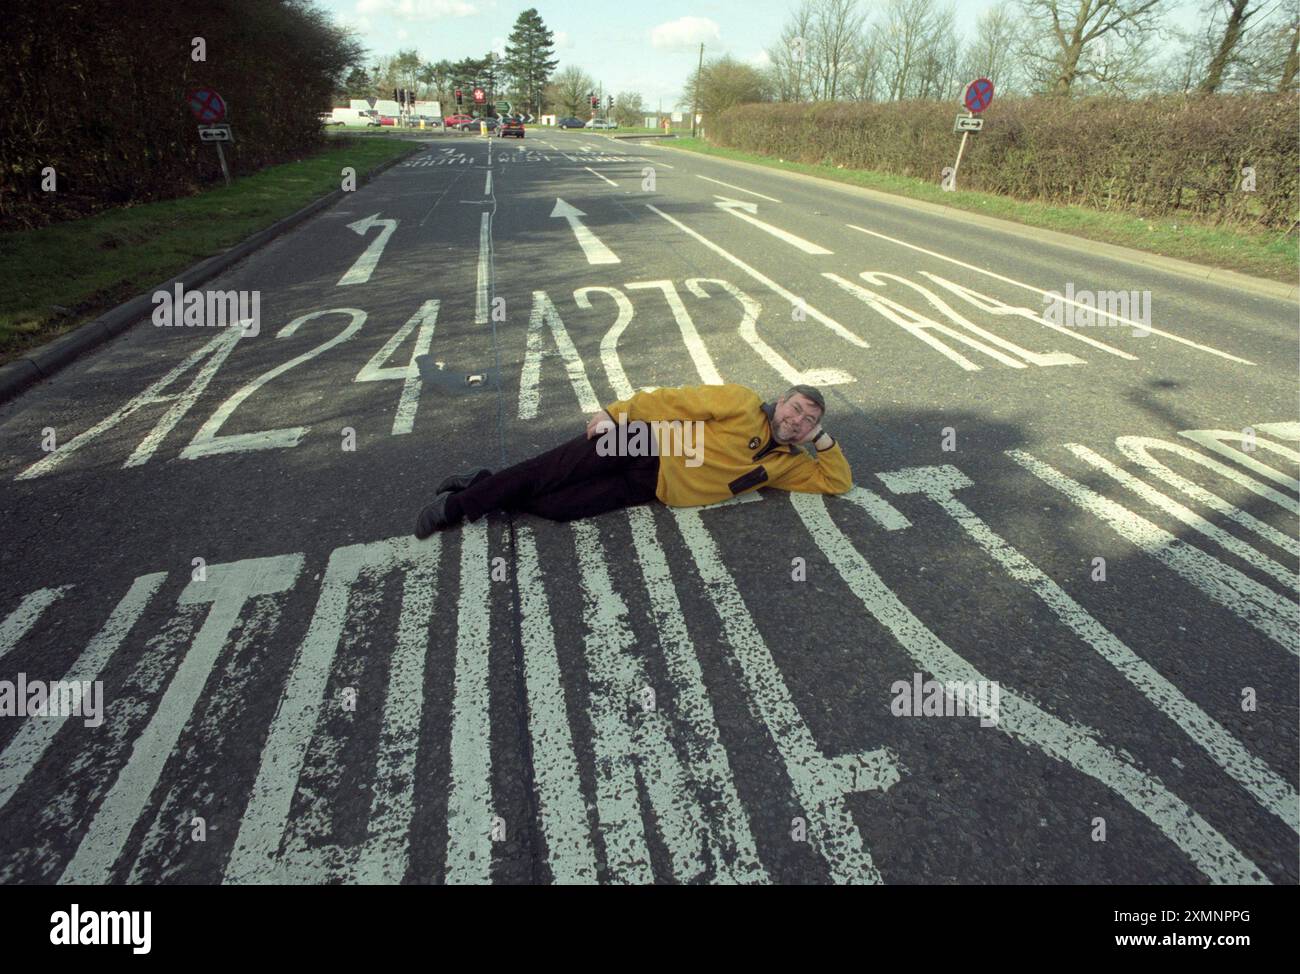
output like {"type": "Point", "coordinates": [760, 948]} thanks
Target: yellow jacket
{"type": "Point", "coordinates": [737, 435]}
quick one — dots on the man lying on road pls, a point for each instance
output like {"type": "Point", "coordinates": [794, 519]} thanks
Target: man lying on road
{"type": "Point", "coordinates": [685, 446]}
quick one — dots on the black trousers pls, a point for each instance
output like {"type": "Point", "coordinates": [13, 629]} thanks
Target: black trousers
{"type": "Point", "coordinates": [569, 482]}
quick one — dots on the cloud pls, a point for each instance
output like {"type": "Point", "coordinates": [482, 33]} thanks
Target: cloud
{"type": "Point", "coordinates": [684, 32]}
{"type": "Point", "coordinates": [499, 46]}
{"type": "Point", "coordinates": [759, 60]}
{"type": "Point", "coordinates": [562, 41]}
{"type": "Point", "coordinates": [417, 9]}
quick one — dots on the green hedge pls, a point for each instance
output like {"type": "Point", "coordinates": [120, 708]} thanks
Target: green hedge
{"type": "Point", "coordinates": [1154, 156]}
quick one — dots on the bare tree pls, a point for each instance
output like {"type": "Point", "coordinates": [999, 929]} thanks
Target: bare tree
{"type": "Point", "coordinates": [568, 91]}
{"type": "Point", "coordinates": [1238, 14]}
{"type": "Point", "coordinates": [725, 82]}
{"type": "Point", "coordinates": [1068, 34]}
{"type": "Point", "coordinates": [904, 38]}
{"type": "Point", "coordinates": [789, 55]}
{"type": "Point", "coordinates": [837, 26]}
{"type": "Point", "coordinates": [992, 52]}
{"type": "Point", "coordinates": [865, 70]}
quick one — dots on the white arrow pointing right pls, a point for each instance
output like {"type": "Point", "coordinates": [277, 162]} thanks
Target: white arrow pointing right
{"type": "Point", "coordinates": [744, 210]}
{"type": "Point", "coordinates": [597, 252]}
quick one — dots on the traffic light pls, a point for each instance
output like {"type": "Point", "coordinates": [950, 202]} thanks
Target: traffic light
{"type": "Point", "coordinates": [611, 103]}
{"type": "Point", "coordinates": [594, 101]}
{"type": "Point", "coordinates": [459, 96]}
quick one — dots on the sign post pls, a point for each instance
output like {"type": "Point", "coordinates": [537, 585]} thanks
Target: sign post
{"type": "Point", "coordinates": [209, 108]}
{"type": "Point", "coordinates": [979, 93]}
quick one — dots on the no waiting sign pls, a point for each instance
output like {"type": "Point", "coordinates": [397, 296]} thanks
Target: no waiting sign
{"type": "Point", "coordinates": [207, 105]}
{"type": "Point", "coordinates": [978, 94]}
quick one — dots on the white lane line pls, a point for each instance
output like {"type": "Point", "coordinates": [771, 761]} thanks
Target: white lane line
{"type": "Point", "coordinates": [623, 747]}
{"type": "Point", "coordinates": [570, 854]}
{"type": "Point", "coordinates": [27, 746]}
{"type": "Point", "coordinates": [705, 754]}
{"type": "Point", "coordinates": [1274, 616]}
{"type": "Point", "coordinates": [481, 290]}
{"type": "Point", "coordinates": [228, 587]}
{"type": "Point", "coordinates": [365, 265]}
{"type": "Point", "coordinates": [1029, 287]}
{"type": "Point", "coordinates": [530, 375]}
{"type": "Point", "coordinates": [745, 211]}
{"type": "Point", "coordinates": [820, 783]}
{"type": "Point", "coordinates": [1072, 744]}
{"type": "Point", "coordinates": [1268, 788]}
{"type": "Point", "coordinates": [469, 802]}
{"type": "Point", "coordinates": [20, 621]}
{"type": "Point", "coordinates": [740, 189]}
{"type": "Point", "coordinates": [609, 343]}
{"type": "Point", "coordinates": [1224, 539]}
{"type": "Point", "coordinates": [748, 330]}
{"type": "Point", "coordinates": [387, 851]}
{"type": "Point", "coordinates": [266, 815]}
{"type": "Point", "coordinates": [1138, 449]}
{"type": "Point", "coordinates": [487, 184]}
{"type": "Point", "coordinates": [599, 176]}
{"type": "Point", "coordinates": [704, 365]}
{"type": "Point", "coordinates": [1218, 440]}
{"type": "Point", "coordinates": [766, 281]}
{"type": "Point", "coordinates": [592, 248]}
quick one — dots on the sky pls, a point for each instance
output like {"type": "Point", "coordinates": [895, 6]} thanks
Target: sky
{"type": "Point", "coordinates": [647, 47]}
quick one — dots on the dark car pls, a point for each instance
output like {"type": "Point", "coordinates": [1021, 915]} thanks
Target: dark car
{"type": "Point", "coordinates": [512, 127]}
{"type": "Point", "coordinates": [571, 123]}
{"type": "Point", "coordinates": [473, 125]}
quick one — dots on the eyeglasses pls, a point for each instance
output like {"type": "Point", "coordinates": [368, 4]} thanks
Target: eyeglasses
{"type": "Point", "coordinates": [805, 419]}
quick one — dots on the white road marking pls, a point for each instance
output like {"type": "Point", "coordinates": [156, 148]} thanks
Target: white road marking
{"type": "Point", "coordinates": [1274, 616]}
{"type": "Point", "coordinates": [409, 375]}
{"type": "Point", "coordinates": [745, 211]}
{"type": "Point", "coordinates": [1268, 788]}
{"type": "Point", "coordinates": [20, 621]}
{"type": "Point", "coordinates": [766, 281]}
{"type": "Point", "coordinates": [484, 252]}
{"type": "Point", "coordinates": [820, 782]}
{"type": "Point", "coordinates": [530, 375]}
{"type": "Point", "coordinates": [228, 587]}
{"type": "Point", "coordinates": [219, 347]}
{"type": "Point", "coordinates": [207, 442]}
{"type": "Point", "coordinates": [1029, 287]}
{"type": "Point", "coordinates": [748, 330]}
{"type": "Point", "coordinates": [365, 265]}
{"type": "Point", "coordinates": [1072, 744]}
{"type": "Point", "coordinates": [1228, 542]}
{"type": "Point", "coordinates": [599, 176]}
{"type": "Point", "coordinates": [595, 251]}
{"type": "Point", "coordinates": [33, 738]}
{"type": "Point", "coordinates": [609, 343]}
{"type": "Point", "coordinates": [738, 188]}
{"type": "Point", "coordinates": [708, 372]}
{"type": "Point", "coordinates": [1218, 440]}
{"type": "Point", "coordinates": [469, 801]}
{"type": "Point", "coordinates": [705, 755]}
{"type": "Point", "coordinates": [487, 184]}
{"type": "Point", "coordinates": [570, 854]}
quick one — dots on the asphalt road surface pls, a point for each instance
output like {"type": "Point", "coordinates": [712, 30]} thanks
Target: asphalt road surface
{"type": "Point", "coordinates": [1084, 531]}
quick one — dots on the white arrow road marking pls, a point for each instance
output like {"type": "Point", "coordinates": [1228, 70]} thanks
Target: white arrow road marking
{"type": "Point", "coordinates": [741, 189]}
{"type": "Point", "coordinates": [597, 252]}
{"type": "Point", "coordinates": [745, 210]}
{"type": "Point", "coordinates": [360, 272]}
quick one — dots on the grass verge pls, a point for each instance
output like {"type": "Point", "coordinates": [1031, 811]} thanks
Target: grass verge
{"type": "Point", "coordinates": [1270, 255]}
{"type": "Point", "coordinates": [61, 276]}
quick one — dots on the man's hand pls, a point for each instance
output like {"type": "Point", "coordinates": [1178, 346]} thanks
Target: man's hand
{"type": "Point", "coordinates": [598, 423]}
{"type": "Point", "coordinates": [813, 435]}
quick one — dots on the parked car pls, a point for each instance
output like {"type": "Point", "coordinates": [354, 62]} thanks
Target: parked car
{"type": "Point", "coordinates": [387, 120]}
{"type": "Point", "coordinates": [473, 124]}
{"type": "Point", "coordinates": [513, 127]}
{"type": "Point", "coordinates": [600, 123]}
{"type": "Point", "coordinates": [457, 119]}
{"type": "Point", "coordinates": [571, 123]}
{"type": "Point", "coordinates": [327, 118]}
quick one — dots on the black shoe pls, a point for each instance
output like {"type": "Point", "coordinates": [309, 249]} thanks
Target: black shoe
{"type": "Point", "coordinates": [433, 517]}
{"type": "Point", "coordinates": [461, 481]}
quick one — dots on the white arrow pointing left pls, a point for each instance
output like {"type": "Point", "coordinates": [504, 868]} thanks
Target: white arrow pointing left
{"type": "Point", "coordinates": [360, 272]}
{"type": "Point", "coordinates": [744, 210]}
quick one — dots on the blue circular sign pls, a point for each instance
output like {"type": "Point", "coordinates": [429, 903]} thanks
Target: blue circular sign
{"type": "Point", "coordinates": [978, 94]}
